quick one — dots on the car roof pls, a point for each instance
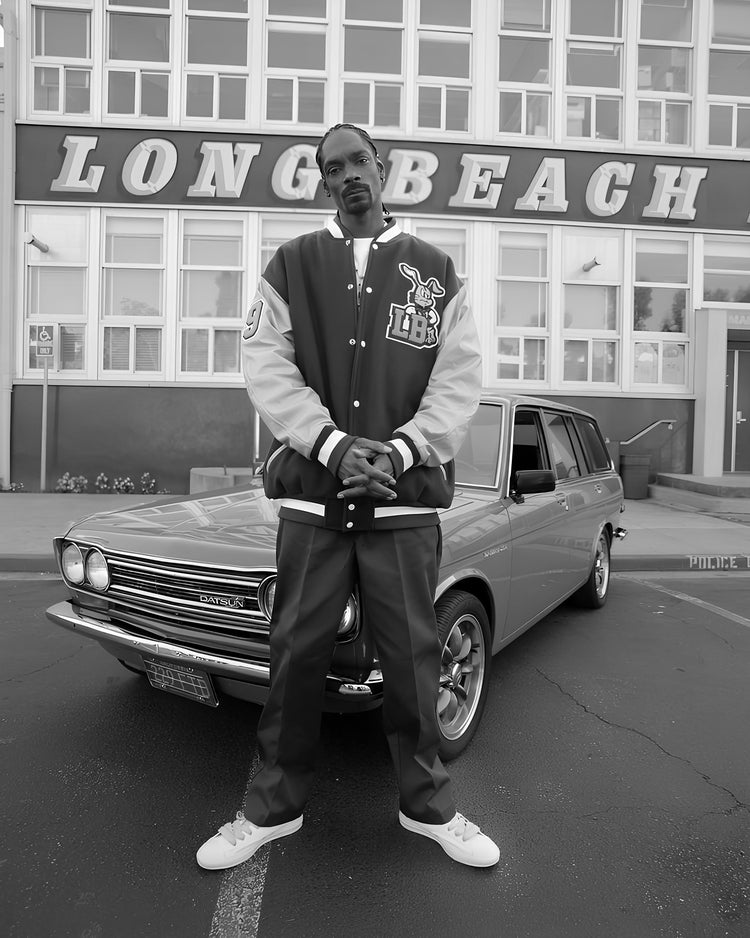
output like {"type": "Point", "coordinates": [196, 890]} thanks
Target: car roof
{"type": "Point", "coordinates": [493, 396]}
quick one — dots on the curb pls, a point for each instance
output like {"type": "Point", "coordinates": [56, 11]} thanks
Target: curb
{"type": "Point", "coordinates": [28, 563]}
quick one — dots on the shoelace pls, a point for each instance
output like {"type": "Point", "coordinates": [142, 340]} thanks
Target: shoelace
{"type": "Point", "coordinates": [463, 828]}
{"type": "Point", "coordinates": [236, 829]}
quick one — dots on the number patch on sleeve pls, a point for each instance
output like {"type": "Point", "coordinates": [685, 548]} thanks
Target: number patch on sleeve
{"type": "Point", "coordinates": [253, 319]}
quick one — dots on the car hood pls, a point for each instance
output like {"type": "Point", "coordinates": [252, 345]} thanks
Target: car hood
{"type": "Point", "coordinates": [236, 527]}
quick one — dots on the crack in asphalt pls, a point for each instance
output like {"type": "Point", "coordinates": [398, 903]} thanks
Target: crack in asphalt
{"type": "Point", "coordinates": [630, 729]}
{"type": "Point", "coordinates": [52, 664]}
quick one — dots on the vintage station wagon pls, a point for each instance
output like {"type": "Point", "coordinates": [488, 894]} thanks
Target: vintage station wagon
{"type": "Point", "coordinates": [181, 590]}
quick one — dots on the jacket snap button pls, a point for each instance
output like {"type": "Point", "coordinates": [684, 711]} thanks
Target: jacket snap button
{"type": "Point", "coordinates": [350, 524]}
{"type": "Point", "coordinates": [350, 286]}
{"type": "Point", "coordinates": [351, 507]}
{"type": "Point", "coordinates": [356, 403]}
{"type": "Point", "coordinates": [368, 289]}
{"type": "Point", "coordinates": [352, 342]}
{"type": "Point", "coordinates": [374, 247]}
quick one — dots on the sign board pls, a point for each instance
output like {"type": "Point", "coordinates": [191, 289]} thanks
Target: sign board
{"type": "Point", "coordinates": [43, 341]}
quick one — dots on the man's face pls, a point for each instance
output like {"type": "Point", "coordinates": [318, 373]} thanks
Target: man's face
{"type": "Point", "coordinates": [351, 172]}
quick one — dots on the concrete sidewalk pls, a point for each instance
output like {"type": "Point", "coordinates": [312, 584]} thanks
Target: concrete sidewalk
{"type": "Point", "coordinates": [660, 537]}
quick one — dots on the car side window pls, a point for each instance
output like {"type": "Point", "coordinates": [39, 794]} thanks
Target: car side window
{"type": "Point", "coordinates": [564, 457]}
{"type": "Point", "coordinates": [591, 439]}
{"type": "Point", "coordinates": [529, 451]}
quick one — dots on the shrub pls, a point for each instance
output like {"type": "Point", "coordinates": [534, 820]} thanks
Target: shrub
{"type": "Point", "coordinates": [68, 483]}
{"type": "Point", "coordinates": [123, 485]}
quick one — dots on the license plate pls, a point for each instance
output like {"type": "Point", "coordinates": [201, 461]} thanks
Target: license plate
{"type": "Point", "coordinates": [181, 679]}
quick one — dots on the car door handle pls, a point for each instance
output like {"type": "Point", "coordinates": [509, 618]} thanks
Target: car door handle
{"type": "Point", "coordinates": [562, 500]}
{"type": "Point", "coordinates": [597, 488]}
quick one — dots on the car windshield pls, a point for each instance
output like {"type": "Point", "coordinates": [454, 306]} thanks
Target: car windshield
{"type": "Point", "coordinates": [476, 461]}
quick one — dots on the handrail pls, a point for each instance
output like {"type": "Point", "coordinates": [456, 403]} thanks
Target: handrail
{"type": "Point", "coordinates": [670, 423]}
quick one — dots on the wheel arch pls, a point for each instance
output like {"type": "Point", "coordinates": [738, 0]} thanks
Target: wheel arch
{"type": "Point", "coordinates": [475, 584]}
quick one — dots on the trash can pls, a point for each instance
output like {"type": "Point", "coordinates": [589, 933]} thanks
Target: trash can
{"type": "Point", "coordinates": [634, 470]}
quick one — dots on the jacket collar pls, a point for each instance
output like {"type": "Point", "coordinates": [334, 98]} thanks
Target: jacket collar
{"type": "Point", "coordinates": [391, 230]}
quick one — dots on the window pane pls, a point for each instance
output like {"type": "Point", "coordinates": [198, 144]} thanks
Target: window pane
{"type": "Point", "coordinates": [62, 33]}
{"type": "Point", "coordinates": [526, 14]}
{"type": "Point", "coordinates": [384, 11]}
{"type": "Point", "coordinates": [457, 109]}
{"type": "Point", "coordinates": [522, 304]}
{"type": "Point", "coordinates": [217, 42]}
{"type": "Point", "coordinates": [660, 20]}
{"type": "Point", "coordinates": [429, 107]}
{"type": "Point", "coordinates": [510, 112]}
{"type": "Point", "coordinates": [226, 351]}
{"type": "Point", "coordinates": [590, 306]}
{"type": "Point", "coordinates": [217, 244]}
{"type": "Point", "coordinates": [194, 350]}
{"type": "Point", "coordinates": [148, 349]}
{"type": "Point", "coordinates": [46, 89]}
{"type": "Point", "coordinates": [524, 60]}
{"type": "Point", "coordinates": [133, 240]}
{"type": "Point", "coordinates": [576, 361]}
{"type": "Point", "coordinates": [154, 4]}
{"type": "Point", "coordinates": [445, 57]}
{"type": "Point", "coordinates": [673, 367]}
{"type": "Point", "coordinates": [661, 261]}
{"type": "Point", "coordinates": [593, 445]}
{"type": "Point", "coordinates": [646, 363]}
{"type": "Point", "coordinates": [534, 359]}
{"type": "Point", "coordinates": [729, 73]}
{"type": "Point", "coordinates": [154, 94]}
{"type": "Point", "coordinates": [659, 309]}
{"type": "Point", "coordinates": [199, 96]}
{"type": "Point", "coordinates": [116, 350]}
{"type": "Point", "coordinates": [211, 293]}
{"type": "Point", "coordinates": [138, 38]}
{"type": "Point", "coordinates": [537, 115]}
{"type": "Point", "coordinates": [296, 50]}
{"type": "Point", "coordinates": [678, 122]}
{"type": "Point", "coordinates": [664, 69]}
{"type": "Point", "coordinates": [71, 348]}
{"type": "Point", "coordinates": [607, 119]}
{"type": "Point", "coordinates": [563, 454]}
{"type": "Point", "coordinates": [315, 8]}
{"type": "Point", "coordinates": [374, 50]}
{"type": "Point", "coordinates": [743, 127]}
{"type": "Point", "coordinates": [132, 292]}
{"type": "Point", "coordinates": [596, 65]}
{"type": "Point", "coordinates": [77, 91]}
{"type": "Point", "coordinates": [509, 353]}
{"type": "Point", "coordinates": [720, 125]}
{"type": "Point", "coordinates": [596, 18]}
{"type": "Point", "coordinates": [356, 103]}
{"type": "Point", "coordinates": [649, 121]}
{"type": "Point", "coordinates": [56, 291]}
{"type": "Point", "coordinates": [578, 117]}
{"type": "Point", "coordinates": [278, 230]}
{"type": "Point", "coordinates": [222, 6]}
{"type": "Point", "coordinates": [604, 362]}
{"type": "Point", "coordinates": [66, 233]}
{"type": "Point", "coordinates": [523, 255]}
{"type": "Point", "coordinates": [232, 94]}
{"type": "Point", "coordinates": [445, 13]}
{"type": "Point", "coordinates": [731, 22]}
{"type": "Point", "coordinates": [311, 101]}
{"type": "Point", "coordinates": [279, 99]}
{"type": "Point", "coordinates": [387, 105]}
{"type": "Point", "coordinates": [121, 93]}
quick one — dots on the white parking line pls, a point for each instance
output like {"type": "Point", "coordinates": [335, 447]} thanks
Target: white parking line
{"type": "Point", "coordinates": [685, 597]}
{"type": "Point", "coordinates": [237, 912]}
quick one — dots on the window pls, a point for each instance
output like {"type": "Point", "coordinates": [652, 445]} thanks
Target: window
{"type": "Point", "coordinates": [212, 295]}
{"type": "Point", "coordinates": [450, 240]}
{"type": "Point", "coordinates": [665, 72]}
{"type": "Point", "coordinates": [477, 460]}
{"type": "Point", "coordinates": [216, 59]}
{"type": "Point", "coordinates": [521, 326]}
{"type": "Point", "coordinates": [132, 308]}
{"type": "Point", "coordinates": [56, 285]}
{"type": "Point", "coordinates": [729, 74]}
{"type": "Point", "coordinates": [726, 271]}
{"type": "Point", "coordinates": [594, 70]}
{"type": "Point", "coordinates": [295, 63]}
{"type": "Point", "coordinates": [444, 52]}
{"type": "Point", "coordinates": [134, 88]}
{"type": "Point", "coordinates": [594, 448]}
{"type": "Point", "coordinates": [660, 303]}
{"type": "Point", "coordinates": [275, 231]}
{"type": "Point", "coordinates": [61, 60]}
{"type": "Point", "coordinates": [564, 459]}
{"type": "Point", "coordinates": [525, 69]}
{"type": "Point", "coordinates": [373, 63]}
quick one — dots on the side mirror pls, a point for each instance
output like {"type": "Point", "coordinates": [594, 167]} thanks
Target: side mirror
{"type": "Point", "coordinates": [531, 481]}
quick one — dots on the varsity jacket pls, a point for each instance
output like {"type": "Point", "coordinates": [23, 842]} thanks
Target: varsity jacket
{"type": "Point", "coordinates": [401, 366]}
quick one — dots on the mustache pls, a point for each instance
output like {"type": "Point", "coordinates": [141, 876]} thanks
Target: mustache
{"type": "Point", "coordinates": [356, 187]}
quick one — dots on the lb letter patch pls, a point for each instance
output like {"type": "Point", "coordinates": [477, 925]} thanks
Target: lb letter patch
{"type": "Point", "coordinates": [253, 319]}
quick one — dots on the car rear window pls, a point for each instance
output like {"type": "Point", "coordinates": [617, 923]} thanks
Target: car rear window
{"type": "Point", "coordinates": [477, 460]}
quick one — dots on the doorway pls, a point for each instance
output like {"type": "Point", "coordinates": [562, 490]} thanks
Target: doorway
{"type": "Point", "coordinates": [737, 412]}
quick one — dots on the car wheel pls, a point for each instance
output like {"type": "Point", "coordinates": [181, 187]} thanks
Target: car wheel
{"type": "Point", "coordinates": [593, 593]}
{"type": "Point", "coordinates": [464, 633]}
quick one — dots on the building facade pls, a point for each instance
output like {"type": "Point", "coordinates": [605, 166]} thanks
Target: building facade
{"type": "Point", "coordinates": [584, 162]}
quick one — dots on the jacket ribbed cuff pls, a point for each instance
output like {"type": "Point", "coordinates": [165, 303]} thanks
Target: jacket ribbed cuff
{"type": "Point", "coordinates": [404, 454]}
{"type": "Point", "coordinates": [330, 447]}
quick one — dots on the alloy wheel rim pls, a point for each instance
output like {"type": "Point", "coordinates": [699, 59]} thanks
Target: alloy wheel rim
{"type": "Point", "coordinates": [601, 566]}
{"type": "Point", "coordinates": [462, 674]}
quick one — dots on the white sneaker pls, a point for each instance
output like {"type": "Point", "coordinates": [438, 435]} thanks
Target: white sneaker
{"type": "Point", "coordinates": [238, 841]}
{"type": "Point", "coordinates": [461, 840]}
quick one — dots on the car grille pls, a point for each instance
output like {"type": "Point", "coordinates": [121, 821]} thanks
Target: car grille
{"type": "Point", "coordinates": [196, 595]}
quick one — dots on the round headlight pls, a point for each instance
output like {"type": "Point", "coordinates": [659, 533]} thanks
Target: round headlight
{"type": "Point", "coordinates": [72, 563]}
{"type": "Point", "coordinates": [349, 619]}
{"type": "Point", "coordinates": [97, 572]}
{"type": "Point", "coordinates": [266, 595]}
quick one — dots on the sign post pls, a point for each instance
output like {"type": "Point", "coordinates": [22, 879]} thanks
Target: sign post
{"type": "Point", "coordinates": [45, 349]}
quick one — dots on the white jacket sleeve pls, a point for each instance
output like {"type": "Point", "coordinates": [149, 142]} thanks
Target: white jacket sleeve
{"type": "Point", "coordinates": [452, 395]}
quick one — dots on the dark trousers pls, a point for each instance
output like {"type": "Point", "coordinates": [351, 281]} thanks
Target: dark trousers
{"type": "Point", "coordinates": [397, 575]}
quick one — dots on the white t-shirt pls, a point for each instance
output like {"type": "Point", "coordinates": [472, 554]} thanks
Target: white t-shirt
{"type": "Point", "coordinates": [361, 253]}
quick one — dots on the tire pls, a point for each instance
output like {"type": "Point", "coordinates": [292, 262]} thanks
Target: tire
{"type": "Point", "coordinates": [464, 633]}
{"type": "Point", "coordinates": [593, 594]}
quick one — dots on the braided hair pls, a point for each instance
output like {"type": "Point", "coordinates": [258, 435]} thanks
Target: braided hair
{"type": "Point", "coordinates": [363, 134]}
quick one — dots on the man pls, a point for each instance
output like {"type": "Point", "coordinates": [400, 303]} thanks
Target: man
{"type": "Point", "coordinates": [361, 355]}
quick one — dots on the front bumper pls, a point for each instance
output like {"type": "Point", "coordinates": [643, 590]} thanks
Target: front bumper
{"type": "Point", "coordinates": [348, 695]}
